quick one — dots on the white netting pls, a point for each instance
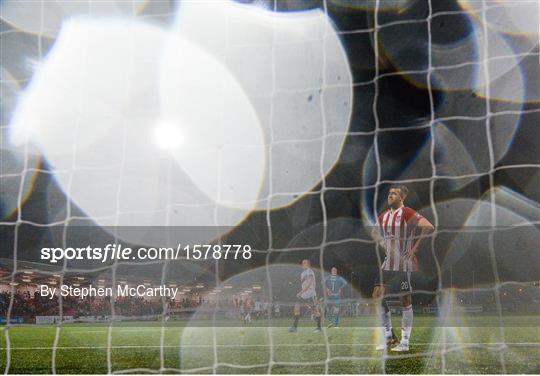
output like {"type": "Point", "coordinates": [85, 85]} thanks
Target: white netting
{"type": "Point", "coordinates": [278, 119]}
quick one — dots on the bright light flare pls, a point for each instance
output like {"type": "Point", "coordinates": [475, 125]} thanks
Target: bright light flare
{"type": "Point", "coordinates": [110, 97]}
{"type": "Point", "coordinates": [295, 73]}
{"type": "Point", "coordinates": [168, 136]}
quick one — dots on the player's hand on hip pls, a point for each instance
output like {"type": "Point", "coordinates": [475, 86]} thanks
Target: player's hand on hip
{"type": "Point", "coordinates": [413, 251]}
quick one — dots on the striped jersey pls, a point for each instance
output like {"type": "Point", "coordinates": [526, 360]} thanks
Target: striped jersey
{"type": "Point", "coordinates": [398, 229]}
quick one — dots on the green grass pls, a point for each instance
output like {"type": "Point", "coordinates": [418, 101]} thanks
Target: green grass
{"type": "Point", "coordinates": [481, 347]}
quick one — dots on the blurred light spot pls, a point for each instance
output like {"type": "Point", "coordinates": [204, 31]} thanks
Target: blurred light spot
{"type": "Point", "coordinates": [168, 136]}
{"type": "Point", "coordinates": [93, 105]}
{"type": "Point", "coordinates": [295, 73]}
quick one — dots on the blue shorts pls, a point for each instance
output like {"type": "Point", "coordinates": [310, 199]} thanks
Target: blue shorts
{"type": "Point", "coordinates": [333, 299]}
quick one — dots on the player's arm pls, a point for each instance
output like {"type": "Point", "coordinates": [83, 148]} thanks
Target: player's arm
{"type": "Point", "coordinates": [325, 289]}
{"type": "Point", "coordinates": [376, 236]}
{"type": "Point", "coordinates": [344, 283]}
{"type": "Point", "coordinates": [425, 229]}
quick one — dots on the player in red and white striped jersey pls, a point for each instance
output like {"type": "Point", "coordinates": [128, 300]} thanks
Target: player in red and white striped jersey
{"type": "Point", "coordinates": [399, 231]}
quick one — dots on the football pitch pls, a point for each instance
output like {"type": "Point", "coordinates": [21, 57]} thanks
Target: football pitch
{"type": "Point", "coordinates": [483, 346]}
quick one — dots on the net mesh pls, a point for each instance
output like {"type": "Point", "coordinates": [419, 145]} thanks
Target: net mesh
{"type": "Point", "coordinates": [497, 163]}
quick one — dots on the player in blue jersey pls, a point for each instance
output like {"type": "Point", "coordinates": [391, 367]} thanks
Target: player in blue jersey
{"type": "Point", "coordinates": [332, 285]}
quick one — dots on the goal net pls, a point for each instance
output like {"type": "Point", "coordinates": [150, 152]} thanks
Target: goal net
{"type": "Point", "coordinates": [166, 166]}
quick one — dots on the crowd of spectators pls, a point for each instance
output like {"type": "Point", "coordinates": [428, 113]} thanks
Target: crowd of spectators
{"type": "Point", "coordinates": [28, 305]}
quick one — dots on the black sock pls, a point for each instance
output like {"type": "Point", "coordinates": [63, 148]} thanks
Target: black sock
{"type": "Point", "coordinates": [318, 320]}
{"type": "Point", "coordinates": [296, 319]}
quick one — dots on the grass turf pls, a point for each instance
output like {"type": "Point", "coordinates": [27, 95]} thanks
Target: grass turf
{"type": "Point", "coordinates": [477, 345]}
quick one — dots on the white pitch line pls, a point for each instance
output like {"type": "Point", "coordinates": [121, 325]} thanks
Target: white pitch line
{"type": "Point", "coordinates": [523, 344]}
{"type": "Point", "coordinates": [157, 329]}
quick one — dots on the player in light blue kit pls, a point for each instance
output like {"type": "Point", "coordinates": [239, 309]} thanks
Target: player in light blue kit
{"type": "Point", "coordinates": [333, 284]}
